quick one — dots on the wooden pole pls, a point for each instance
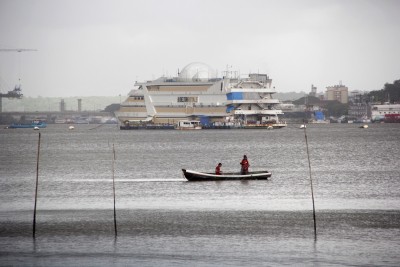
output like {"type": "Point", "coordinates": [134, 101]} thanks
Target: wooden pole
{"type": "Point", "coordinates": [113, 176]}
{"type": "Point", "coordinates": [311, 184]}
{"type": "Point", "coordinates": [36, 191]}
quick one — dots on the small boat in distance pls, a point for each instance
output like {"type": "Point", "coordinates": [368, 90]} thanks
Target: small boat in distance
{"type": "Point", "coordinates": [35, 124]}
{"type": "Point", "coordinates": [194, 176]}
{"type": "Point", "coordinates": [188, 125]}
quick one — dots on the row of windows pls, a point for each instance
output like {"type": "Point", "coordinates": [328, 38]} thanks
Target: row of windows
{"type": "Point", "coordinates": [357, 113]}
{"type": "Point", "coordinates": [137, 97]}
{"type": "Point", "coordinates": [192, 99]}
{"type": "Point", "coordinates": [357, 107]}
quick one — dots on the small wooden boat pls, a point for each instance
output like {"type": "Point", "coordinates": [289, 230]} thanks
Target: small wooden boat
{"type": "Point", "coordinates": [202, 176]}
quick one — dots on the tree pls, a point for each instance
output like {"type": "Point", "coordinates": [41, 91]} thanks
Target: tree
{"type": "Point", "coordinates": [112, 108]}
{"type": "Point", "coordinates": [335, 108]}
{"type": "Point", "coordinates": [390, 93]}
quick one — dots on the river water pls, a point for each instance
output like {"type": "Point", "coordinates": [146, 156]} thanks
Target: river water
{"type": "Point", "coordinates": [163, 220]}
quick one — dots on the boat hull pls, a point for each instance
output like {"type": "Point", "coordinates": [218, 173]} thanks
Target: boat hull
{"type": "Point", "coordinates": [194, 176]}
{"type": "Point", "coordinates": [264, 126]}
{"type": "Point", "coordinates": [148, 127]}
{"type": "Point", "coordinates": [26, 126]}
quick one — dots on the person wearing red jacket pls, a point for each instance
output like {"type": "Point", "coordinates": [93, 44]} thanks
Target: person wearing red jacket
{"type": "Point", "coordinates": [245, 165]}
{"type": "Point", "coordinates": [218, 169]}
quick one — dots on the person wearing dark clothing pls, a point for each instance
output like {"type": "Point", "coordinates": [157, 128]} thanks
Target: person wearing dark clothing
{"type": "Point", "coordinates": [245, 165]}
{"type": "Point", "coordinates": [218, 169]}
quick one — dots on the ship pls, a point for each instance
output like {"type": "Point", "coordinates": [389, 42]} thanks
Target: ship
{"type": "Point", "coordinates": [385, 113]}
{"type": "Point", "coordinates": [198, 94]}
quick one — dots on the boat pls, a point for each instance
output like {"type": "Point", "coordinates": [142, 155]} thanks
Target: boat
{"type": "Point", "coordinates": [392, 118]}
{"type": "Point", "coordinates": [135, 125]}
{"type": "Point", "coordinates": [385, 113]}
{"type": "Point", "coordinates": [198, 93]}
{"type": "Point", "coordinates": [35, 125]}
{"type": "Point", "coordinates": [188, 125]}
{"type": "Point", "coordinates": [195, 92]}
{"type": "Point", "coordinates": [60, 121]}
{"type": "Point", "coordinates": [195, 176]}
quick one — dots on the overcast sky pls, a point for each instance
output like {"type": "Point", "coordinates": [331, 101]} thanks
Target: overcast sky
{"type": "Point", "coordinates": [100, 48]}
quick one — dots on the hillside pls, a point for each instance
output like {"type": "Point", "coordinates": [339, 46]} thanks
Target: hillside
{"type": "Point", "coordinates": [289, 96]}
{"type": "Point", "coordinates": [53, 103]}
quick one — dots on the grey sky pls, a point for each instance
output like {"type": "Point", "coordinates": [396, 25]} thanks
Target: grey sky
{"type": "Point", "coordinates": [101, 48]}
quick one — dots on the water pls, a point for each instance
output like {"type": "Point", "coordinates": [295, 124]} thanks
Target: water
{"type": "Point", "coordinates": [165, 221]}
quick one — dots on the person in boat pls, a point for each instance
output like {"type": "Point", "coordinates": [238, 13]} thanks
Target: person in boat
{"type": "Point", "coordinates": [218, 169]}
{"type": "Point", "coordinates": [245, 165]}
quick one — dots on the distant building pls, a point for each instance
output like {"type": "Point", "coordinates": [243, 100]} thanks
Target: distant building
{"type": "Point", "coordinates": [357, 96]}
{"type": "Point", "coordinates": [359, 111]}
{"type": "Point", "coordinates": [313, 91]}
{"type": "Point", "coordinates": [62, 106]}
{"type": "Point", "coordinates": [337, 92]}
{"type": "Point", "coordinates": [359, 108]}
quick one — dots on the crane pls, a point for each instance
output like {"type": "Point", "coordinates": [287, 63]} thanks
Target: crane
{"type": "Point", "coordinates": [16, 93]}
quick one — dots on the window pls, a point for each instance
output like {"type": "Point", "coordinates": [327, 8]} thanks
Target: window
{"type": "Point", "coordinates": [192, 99]}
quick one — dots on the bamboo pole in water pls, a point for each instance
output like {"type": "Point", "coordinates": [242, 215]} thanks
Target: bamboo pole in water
{"type": "Point", "coordinates": [36, 191]}
{"type": "Point", "coordinates": [311, 184]}
{"type": "Point", "coordinates": [113, 176]}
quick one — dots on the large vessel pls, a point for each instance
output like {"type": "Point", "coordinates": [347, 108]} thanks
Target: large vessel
{"type": "Point", "coordinates": [198, 94]}
{"type": "Point", "coordinates": [385, 113]}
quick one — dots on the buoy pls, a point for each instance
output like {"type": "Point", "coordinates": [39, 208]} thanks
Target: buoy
{"type": "Point", "coordinates": [71, 127]}
{"type": "Point", "coordinates": [303, 126]}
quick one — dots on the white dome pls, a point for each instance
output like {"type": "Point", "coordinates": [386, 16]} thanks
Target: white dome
{"type": "Point", "coordinates": [196, 72]}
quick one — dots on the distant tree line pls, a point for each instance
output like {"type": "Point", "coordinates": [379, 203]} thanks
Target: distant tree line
{"type": "Point", "coordinates": [332, 107]}
{"type": "Point", "coordinates": [390, 93]}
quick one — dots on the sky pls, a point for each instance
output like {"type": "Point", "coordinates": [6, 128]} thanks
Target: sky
{"type": "Point", "coordinates": [101, 47]}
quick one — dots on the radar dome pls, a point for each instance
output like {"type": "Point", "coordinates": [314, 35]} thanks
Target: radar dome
{"type": "Point", "coordinates": [197, 72]}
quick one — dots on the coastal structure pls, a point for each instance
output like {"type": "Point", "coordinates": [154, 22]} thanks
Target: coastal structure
{"type": "Point", "coordinates": [198, 94]}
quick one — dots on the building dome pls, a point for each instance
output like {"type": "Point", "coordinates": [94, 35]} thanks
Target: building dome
{"type": "Point", "coordinates": [197, 72]}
